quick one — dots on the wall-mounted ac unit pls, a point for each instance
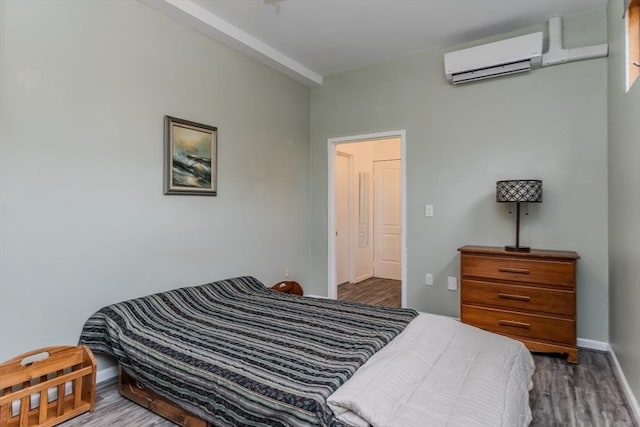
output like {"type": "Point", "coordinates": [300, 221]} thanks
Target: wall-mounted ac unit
{"type": "Point", "coordinates": [510, 56]}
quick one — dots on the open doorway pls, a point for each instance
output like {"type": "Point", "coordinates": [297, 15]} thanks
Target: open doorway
{"type": "Point", "coordinates": [366, 227]}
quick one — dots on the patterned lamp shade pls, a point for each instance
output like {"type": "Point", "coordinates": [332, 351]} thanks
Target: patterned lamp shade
{"type": "Point", "coordinates": [522, 190]}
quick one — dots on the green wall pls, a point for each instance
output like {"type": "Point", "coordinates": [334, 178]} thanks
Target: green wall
{"type": "Point", "coordinates": [624, 204]}
{"type": "Point", "coordinates": [84, 87]}
{"type": "Point", "coordinates": [550, 124]}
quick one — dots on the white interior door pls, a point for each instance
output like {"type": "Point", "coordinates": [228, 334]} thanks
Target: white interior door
{"type": "Point", "coordinates": [387, 219]}
{"type": "Point", "coordinates": [342, 216]}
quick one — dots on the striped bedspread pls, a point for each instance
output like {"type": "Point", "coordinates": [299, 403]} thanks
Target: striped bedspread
{"type": "Point", "coordinates": [236, 353]}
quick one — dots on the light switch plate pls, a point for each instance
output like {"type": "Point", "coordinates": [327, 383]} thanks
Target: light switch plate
{"type": "Point", "coordinates": [428, 211]}
{"type": "Point", "coordinates": [453, 283]}
{"type": "Point", "coordinates": [428, 279]}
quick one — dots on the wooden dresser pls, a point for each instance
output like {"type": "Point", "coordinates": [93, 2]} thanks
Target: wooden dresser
{"type": "Point", "coordinates": [528, 296]}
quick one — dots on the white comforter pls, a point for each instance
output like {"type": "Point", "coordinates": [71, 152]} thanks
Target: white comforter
{"type": "Point", "coordinates": [440, 372]}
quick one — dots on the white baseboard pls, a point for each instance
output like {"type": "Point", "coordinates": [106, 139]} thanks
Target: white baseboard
{"type": "Point", "coordinates": [593, 344]}
{"type": "Point", "coordinates": [631, 398]}
{"type": "Point", "coordinates": [106, 374]}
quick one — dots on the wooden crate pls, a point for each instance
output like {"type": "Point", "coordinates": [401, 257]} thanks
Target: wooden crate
{"type": "Point", "coordinates": [46, 387]}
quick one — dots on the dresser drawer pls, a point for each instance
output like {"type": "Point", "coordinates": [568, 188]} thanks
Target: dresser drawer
{"type": "Point", "coordinates": [520, 324]}
{"type": "Point", "coordinates": [516, 297]}
{"type": "Point", "coordinates": [519, 270]}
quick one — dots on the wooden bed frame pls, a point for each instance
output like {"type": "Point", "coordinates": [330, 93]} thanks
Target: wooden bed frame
{"type": "Point", "coordinates": [130, 388]}
{"type": "Point", "coordinates": [39, 375]}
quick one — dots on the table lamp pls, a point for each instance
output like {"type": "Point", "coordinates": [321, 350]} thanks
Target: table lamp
{"type": "Point", "coordinates": [518, 191]}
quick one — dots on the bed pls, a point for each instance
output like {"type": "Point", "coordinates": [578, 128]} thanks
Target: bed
{"type": "Point", "coordinates": [235, 353]}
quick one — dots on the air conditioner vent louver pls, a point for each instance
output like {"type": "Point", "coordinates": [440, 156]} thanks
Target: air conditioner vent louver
{"type": "Point", "coordinates": [489, 73]}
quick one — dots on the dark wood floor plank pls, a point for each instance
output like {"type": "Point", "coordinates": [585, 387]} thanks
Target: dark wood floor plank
{"type": "Point", "coordinates": [114, 410]}
{"type": "Point", "coordinates": [374, 291]}
{"type": "Point", "coordinates": [584, 395]}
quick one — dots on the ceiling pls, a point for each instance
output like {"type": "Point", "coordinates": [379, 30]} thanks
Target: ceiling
{"type": "Point", "coordinates": [308, 39]}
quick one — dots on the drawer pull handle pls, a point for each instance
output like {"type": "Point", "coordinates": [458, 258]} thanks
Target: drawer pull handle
{"type": "Point", "coordinates": [514, 270]}
{"type": "Point", "coordinates": [514, 324]}
{"type": "Point", "coordinates": [515, 297]}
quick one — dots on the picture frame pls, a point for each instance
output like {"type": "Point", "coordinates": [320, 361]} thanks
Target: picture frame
{"type": "Point", "coordinates": [190, 158]}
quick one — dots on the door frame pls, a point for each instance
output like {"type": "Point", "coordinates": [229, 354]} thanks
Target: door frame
{"type": "Point", "coordinates": [332, 144]}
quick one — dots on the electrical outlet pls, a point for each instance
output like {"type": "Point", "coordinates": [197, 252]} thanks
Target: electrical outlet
{"type": "Point", "coordinates": [452, 283]}
{"type": "Point", "coordinates": [428, 280]}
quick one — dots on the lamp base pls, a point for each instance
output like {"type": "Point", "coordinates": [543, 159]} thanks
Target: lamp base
{"type": "Point", "coordinates": [517, 249]}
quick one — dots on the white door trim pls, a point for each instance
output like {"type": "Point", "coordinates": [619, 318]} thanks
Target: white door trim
{"type": "Point", "coordinates": [332, 290]}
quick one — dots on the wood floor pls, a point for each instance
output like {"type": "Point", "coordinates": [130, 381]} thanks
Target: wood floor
{"type": "Point", "coordinates": [374, 291]}
{"type": "Point", "coordinates": [584, 395]}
